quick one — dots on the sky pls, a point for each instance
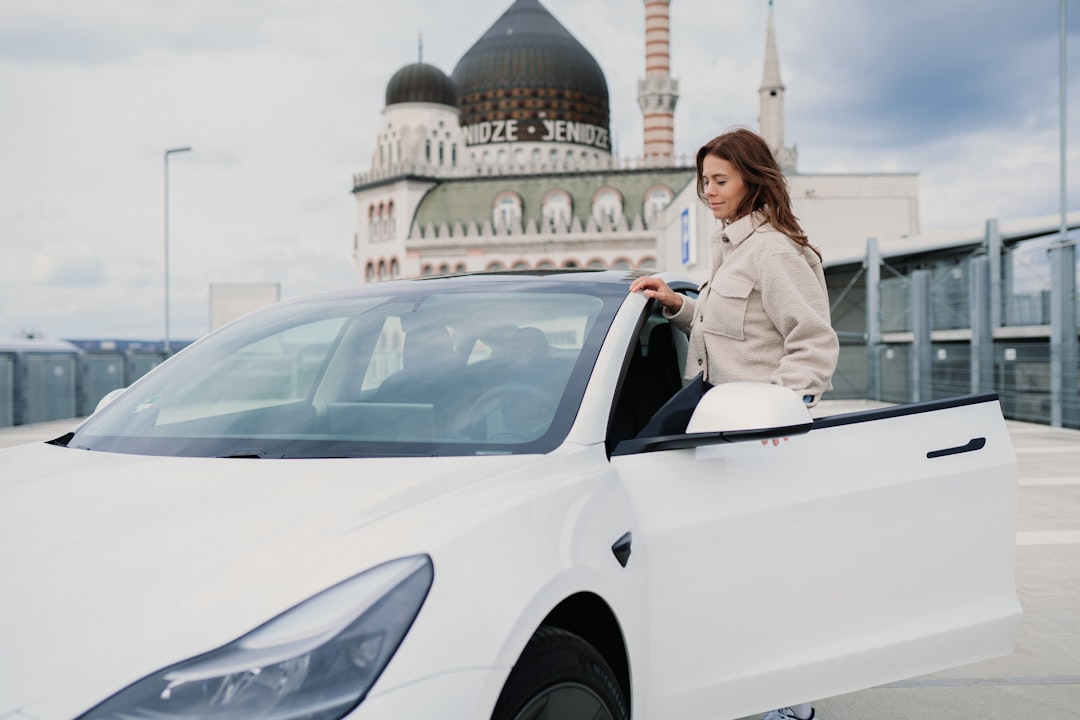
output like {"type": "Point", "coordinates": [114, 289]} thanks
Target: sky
{"type": "Point", "coordinates": [281, 100]}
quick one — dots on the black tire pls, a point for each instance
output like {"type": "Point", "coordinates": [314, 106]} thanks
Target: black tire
{"type": "Point", "coordinates": [559, 676]}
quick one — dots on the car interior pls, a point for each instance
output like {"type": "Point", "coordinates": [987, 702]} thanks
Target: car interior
{"type": "Point", "coordinates": [654, 398]}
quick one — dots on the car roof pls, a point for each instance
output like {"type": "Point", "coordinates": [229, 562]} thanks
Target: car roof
{"type": "Point", "coordinates": [607, 281]}
{"type": "Point", "coordinates": [548, 275]}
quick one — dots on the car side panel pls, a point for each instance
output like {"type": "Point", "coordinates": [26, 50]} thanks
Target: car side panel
{"type": "Point", "coordinates": [513, 550]}
{"type": "Point", "coordinates": [838, 560]}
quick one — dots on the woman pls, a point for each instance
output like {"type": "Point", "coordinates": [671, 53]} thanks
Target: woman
{"type": "Point", "coordinates": [763, 315]}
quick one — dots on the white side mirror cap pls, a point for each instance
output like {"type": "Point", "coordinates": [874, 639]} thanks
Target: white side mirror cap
{"type": "Point", "coordinates": [109, 397]}
{"type": "Point", "coordinates": [749, 407]}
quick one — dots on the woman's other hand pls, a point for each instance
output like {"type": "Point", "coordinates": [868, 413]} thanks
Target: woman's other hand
{"type": "Point", "coordinates": [658, 290]}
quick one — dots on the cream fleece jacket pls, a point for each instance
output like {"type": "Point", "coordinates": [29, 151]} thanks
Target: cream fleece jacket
{"type": "Point", "coordinates": [764, 313]}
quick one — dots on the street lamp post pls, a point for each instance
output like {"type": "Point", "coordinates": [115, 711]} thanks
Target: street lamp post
{"type": "Point", "coordinates": [1064, 348]}
{"type": "Point", "coordinates": [168, 152]}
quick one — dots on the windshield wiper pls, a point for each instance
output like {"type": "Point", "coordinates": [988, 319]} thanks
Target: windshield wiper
{"type": "Point", "coordinates": [249, 454]}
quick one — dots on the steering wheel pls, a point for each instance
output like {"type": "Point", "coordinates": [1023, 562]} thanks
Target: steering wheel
{"type": "Point", "coordinates": [512, 412]}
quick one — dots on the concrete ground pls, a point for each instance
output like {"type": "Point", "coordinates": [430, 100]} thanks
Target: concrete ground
{"type": "Point", "coordinates": [1041, 679]}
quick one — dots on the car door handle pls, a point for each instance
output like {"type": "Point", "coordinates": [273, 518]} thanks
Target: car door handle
{"type": "Point", "coordinates": [972, 445]}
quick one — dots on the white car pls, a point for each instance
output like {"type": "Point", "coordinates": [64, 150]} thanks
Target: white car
{"type": "Point", "coordinates": [490, 496]}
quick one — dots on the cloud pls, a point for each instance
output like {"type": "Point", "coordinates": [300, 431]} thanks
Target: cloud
{"type": "Point", "coordinates": [71, 266]}
{"type": "Point", "coordinates": [890, 75]}
{"type": "Point", "coordinates": [281, 101]}
{"type": "Point", "coordinates": [112, 32]}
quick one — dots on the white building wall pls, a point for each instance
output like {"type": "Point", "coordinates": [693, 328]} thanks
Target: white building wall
{"type": "Point", "coordinates": [672, 235]}
{"type": "Point", "coordinates": [229, 301]}
{"type": "Point", "coordinates": [375, 245]}
{"type": "Point", "coordinates": [837, 212]}
{"type": "Point", "coordinates": [627, 248]}
{"type": "Point", "coordinates": [542, 156]}
{"type": "Point", "coordinates": [408, 127]}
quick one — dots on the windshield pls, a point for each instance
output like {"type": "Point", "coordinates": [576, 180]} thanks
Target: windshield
{"type": "Point", "coordinates": [411, 368]}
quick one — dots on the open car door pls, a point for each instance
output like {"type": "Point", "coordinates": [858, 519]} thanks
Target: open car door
{"type": "Point", "coordinates": [862, 549]}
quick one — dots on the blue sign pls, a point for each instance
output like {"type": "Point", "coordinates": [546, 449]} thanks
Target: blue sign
{"type": "Point", "coordinates": [684, 236]}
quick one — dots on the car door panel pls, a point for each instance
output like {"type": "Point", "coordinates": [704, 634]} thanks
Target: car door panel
{"type": "Point", "coordinates": [856, 554]}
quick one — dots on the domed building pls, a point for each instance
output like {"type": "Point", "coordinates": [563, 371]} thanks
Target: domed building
{"type": "Point", "coordinates": [507, 163]}
{"type": "Point", "coordinates": [420, 102]}
{"type": "Point", "coordinates": [529, 91]}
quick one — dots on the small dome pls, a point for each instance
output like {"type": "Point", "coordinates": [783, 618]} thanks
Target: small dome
{"type": "Point", "coordinates": [420, 82]}
{"type": "Point", "coordinates": [527, 65]}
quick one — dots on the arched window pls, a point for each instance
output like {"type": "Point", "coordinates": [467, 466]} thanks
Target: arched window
{"type": "Point", "coordinates": [520, 265]}
{"type": "Point", "coordinates": [394, 270]}
{"type": "Point", "coordinates": [557, 206]}
{"type": "Point", "coordinates": [570, 264]}
{"type": "Point", "coordinates": [453, 154]}
{"type": "Point", "coordinates": [519, 157]}
{"type": "Point", "coordinates": [427, 150]}
{"type": "Point", "coordinates": [460, 268]}
{"type": "Point", "coordinates": [372, 227]}
{"type": "Point", "coordinates": [369, 273]}
{"type": "Point", "coordinates": [648, 264]}
{"type": "Point", "coordinates": [495, 266]}
{"type": "Point", "coordinates": [656, 199]}
{"type": "Point", "coordinates": [501, 161]}
{"type": "Point", "coordinates": [506, 212]}
{"type": "Point", "coordinates": [622, 264]}
{"type": "Point", "coordinates": [596, 264]}
{"type": "Point", "coordinates": [390, 226]}
{"type": "Point", "coordinates": [382, 269]}
{"type": "Point", "coordinates": [444, 269]}
{"type": "Point", "coordinates": [441, 160]}
{"type": "Point", "coordinates": [545, 265]}
{"type": "Point", "coordinates": [427, 270]}
{"type": "Point", "coordinates": [607, 203]}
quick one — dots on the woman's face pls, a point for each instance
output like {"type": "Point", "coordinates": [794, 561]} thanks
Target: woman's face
{"type": "Point", "coordinates": [722, 186]}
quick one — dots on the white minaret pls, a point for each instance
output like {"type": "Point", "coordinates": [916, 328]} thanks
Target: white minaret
{"type": "Point", "coordinates": [771, 114]}
{"type": "Point", "coordinates": [658, 91]}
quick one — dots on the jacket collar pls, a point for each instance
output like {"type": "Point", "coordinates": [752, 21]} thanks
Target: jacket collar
{"type": "Point", "coordinates": [738, 231]}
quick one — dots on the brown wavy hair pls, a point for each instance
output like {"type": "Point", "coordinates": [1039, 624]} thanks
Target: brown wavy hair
{"type": "Point", "coordinates": [766, 187]}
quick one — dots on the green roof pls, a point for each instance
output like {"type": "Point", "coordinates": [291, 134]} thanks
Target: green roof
{"type": "Point", "coordinates": [462, 200]}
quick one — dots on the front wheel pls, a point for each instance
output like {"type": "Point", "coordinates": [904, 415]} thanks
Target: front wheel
{"type": "Point", "coordinates": [560, 677]}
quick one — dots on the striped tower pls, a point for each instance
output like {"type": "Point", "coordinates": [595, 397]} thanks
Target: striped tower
{"type": "Point", "coordinates": [658, 91]}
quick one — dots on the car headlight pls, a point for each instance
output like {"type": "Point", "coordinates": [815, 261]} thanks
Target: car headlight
{"type": "Point", "coordinates": [315, 661]}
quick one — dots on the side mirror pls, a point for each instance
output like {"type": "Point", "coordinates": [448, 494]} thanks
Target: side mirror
{"type": "Point", "coordinates": [750, 410]}
{"type": "Point", "coordinates": [732, 412]}
{"type": "Point", "coordinates": [109, 397]}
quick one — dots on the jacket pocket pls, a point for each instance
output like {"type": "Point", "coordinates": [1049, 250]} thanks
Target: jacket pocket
{"type": "Point", "coordinates": [725, 313]}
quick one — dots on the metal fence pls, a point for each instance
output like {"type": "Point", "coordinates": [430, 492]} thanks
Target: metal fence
{"type": "Point", "coordinates": [996, 314]}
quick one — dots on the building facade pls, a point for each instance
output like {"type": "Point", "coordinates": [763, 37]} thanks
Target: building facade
{"type": "Point", "coordinates": [507, 163]}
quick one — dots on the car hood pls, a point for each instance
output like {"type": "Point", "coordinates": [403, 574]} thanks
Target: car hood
{"type": "Point", "coordinates": [114, 566]}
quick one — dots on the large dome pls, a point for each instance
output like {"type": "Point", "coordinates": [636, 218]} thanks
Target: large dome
{"type": "Point", "coordinates": [528, 67]}
{"type": "Point", "coordinates": [420, 82]}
